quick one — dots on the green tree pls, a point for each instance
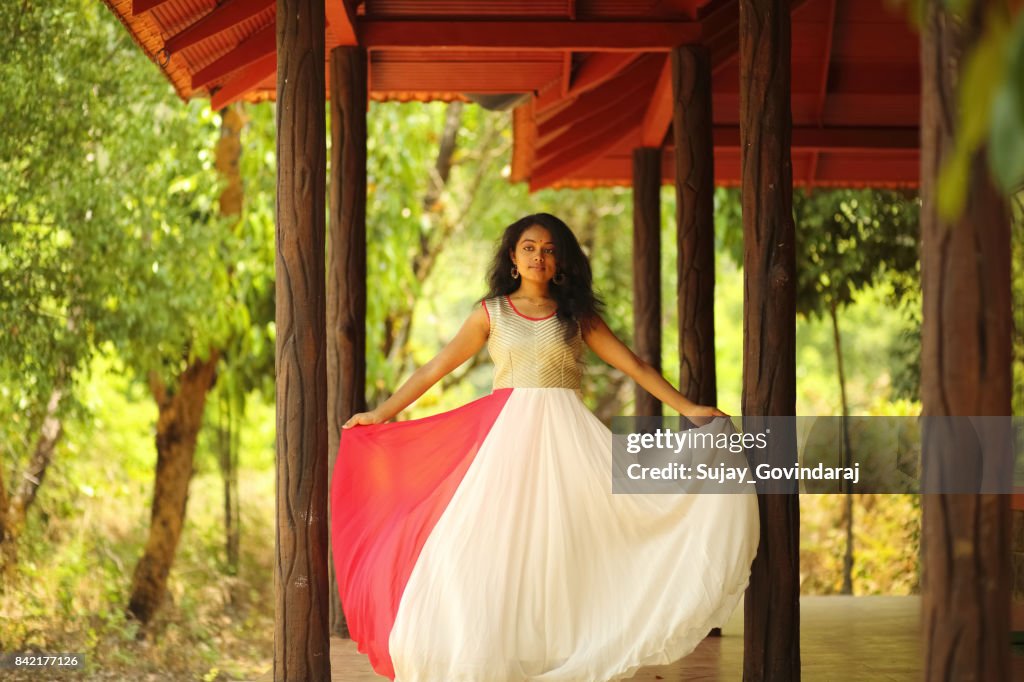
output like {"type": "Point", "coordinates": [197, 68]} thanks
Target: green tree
{"type": "Point", "coordinates": [850, 240]}
{"type": "Point", "coordinates": [111, 237]}
{"type": "Point", "coordinates": [95, 208]}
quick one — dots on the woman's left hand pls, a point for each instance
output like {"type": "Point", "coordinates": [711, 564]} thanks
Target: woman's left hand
{"type": "Point", "coordinates": [703, 414]}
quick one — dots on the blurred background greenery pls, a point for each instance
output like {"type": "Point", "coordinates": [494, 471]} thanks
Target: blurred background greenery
{"type": "Point", "coordinates": [120, 265]}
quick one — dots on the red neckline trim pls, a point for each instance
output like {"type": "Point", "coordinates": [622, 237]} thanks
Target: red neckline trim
{"type": "Point", "coordinates": [516, 311]}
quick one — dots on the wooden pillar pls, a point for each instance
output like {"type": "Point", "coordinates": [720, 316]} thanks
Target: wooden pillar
{"type": "Point", "coordinates": [772, 602]}
{"type": "Point", "coordinates": [301, 638]}
{"type": "Point", "coordinates": [695, 222]}
{"type": "Point", "coordinates": [647, 268]}
{"type": "Point", "coordinates": [346, 276]}
{"type": "Point", "coordinates": [965, 370]}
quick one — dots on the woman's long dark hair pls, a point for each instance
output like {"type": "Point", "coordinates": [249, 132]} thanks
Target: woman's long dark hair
{"type": "Point", "coordinates": [575, 296]}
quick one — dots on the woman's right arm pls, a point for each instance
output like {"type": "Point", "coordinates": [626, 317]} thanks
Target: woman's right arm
{"type": "Point", "coordinates": [467, 343]}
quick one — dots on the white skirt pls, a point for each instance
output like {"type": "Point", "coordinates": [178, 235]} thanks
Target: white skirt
{"type": "Point", "coordinates": [484, 544]}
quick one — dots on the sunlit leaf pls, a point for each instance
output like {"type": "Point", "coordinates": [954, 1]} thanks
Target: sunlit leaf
{"type": "Point", "coordinates": [952, 185]}
{"type": "Point", "coordinates": [1006, 140]}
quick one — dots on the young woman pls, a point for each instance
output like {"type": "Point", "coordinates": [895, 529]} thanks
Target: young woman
{"type": "Point", "coordinates": [484, 544]}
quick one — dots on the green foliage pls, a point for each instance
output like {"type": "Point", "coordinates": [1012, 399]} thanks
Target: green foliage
{"type": "Point", "coordinates": [107, 202]}
{"type": "Point", "coordinates": [245, 265]}
{"type": "Point", "coordinates": [111, 242]}
{"type": "Point", "coordinates": [1006, 137]}
{"type": "Point", "coordinates": [729, 223]}
{"type": "Point", "coordinates": [110, 230]}
{"type": "Point", "coordinates": [1017, 261]}
{"type": "Point", "coordinates": [88, 528]}
{"type": "Point", "coordinates": [399, 154]}
{"type": "Point", "coordinates": [990, 107]}
{"type": "Point", "coordinates": [849, 240]}
{"type": "Point", "coordinates": [984, 75]}
{"type": "Point", "coordinates": [904, 354]}
{"type": "Point", "coordinates": [887, 532]}
{"type": "Point", "coordinates": [401, 229]}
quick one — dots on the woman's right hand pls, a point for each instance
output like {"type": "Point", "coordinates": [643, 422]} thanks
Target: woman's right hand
{"type": "Point", "coordinates": [364, 418]}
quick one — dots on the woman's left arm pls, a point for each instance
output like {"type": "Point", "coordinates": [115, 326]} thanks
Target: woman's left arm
{"type": "Point", "coordinates": [609, 348]}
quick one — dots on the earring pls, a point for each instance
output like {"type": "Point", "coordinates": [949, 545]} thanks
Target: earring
{"type": "Point", "coordinates": [515, 271]}
{"type": "Point", "coordinates": [559, 278]}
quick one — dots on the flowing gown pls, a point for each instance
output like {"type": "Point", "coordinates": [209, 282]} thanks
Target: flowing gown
{"type": "Point", "coordinates": [484, 544]}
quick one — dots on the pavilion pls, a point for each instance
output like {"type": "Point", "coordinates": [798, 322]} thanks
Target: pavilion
{"type": "Point", "coordinates": [760, 94]}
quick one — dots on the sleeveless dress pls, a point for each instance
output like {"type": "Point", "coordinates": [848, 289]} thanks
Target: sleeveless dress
{"type": "Point", "coordinates": [484, 544]}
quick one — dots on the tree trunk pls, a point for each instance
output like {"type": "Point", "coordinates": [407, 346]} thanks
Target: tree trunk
{"type": "Point", "coordinates": [232, 197]}
{"type": "Point", "coordinates": [965, 370]}
{"type": "Point", "coordinates": [847, 453]}
{"type": "Point", "coordinates": [772, 603]}
{"type": "Point", "coordinates": [177, 426]}
{"type": "Point", "coordinates": [695, 222]}
{"type": "Point", "coordinates": [301, 586]}
{"type": "Point", "coordinates": [3, 507]}
{"type": "Point", "coordinates": [49, 433]}
{"type": "Point", "coordinates": [647, 269]}
{"type": "Point", "coordinates": [443, 165]}
{"type": "Point", "coordinates": [227, 460]}
{"type": "Point", "coordinates": [228, 156]}
{"type": "Point", "coordinates": [346, 285]}
{"type": "Point", "coordinates": [14, 510]}
{"type": "Point", "coordinates": [7, 554]}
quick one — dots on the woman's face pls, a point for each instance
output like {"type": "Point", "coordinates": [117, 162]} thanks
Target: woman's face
{"type": "Point", "coordinates": [535, 255]}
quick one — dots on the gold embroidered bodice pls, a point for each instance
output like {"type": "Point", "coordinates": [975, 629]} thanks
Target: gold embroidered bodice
{"type": "Point", "coordinates": [532, 352]}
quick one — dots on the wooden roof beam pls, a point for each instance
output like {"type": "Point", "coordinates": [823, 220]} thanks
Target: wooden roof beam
{"type": "Point", "coordinates": [598, 68]}
{"type": "Point", "coordinates": [596, 108]}
{"type": "Point", "coordinates": [141, 6]}
{"type": "Point", "coordinates": [719, 22]}
{"type": "Point", "coordinates": [683, 7]}
{"type": "Point", "coordinates": [582, 138]}
{"type": "Point", "coordinates": [555, 170]}
{"type": "Point", "coordinates": [545, 93]}
{"type": "Point", "coordinates": [341, 17]}
{"type": "Point", "coordinates": [823, 83]}
{"type": "Point", "coordinates": [636, 79]}
{"type": "Point", "coordinates": [607, 119]}
{"type": "Point", "coordinates": [658, 117]}
{"type": "Point", "coordinates": [222, 18]}
{"type": "Point", "coordinates": [826, 63]}
{"type": "Point", "coordinates": [244, 81]}
{"type": "Point", "coordinates": [560, 35]}
{"type": "Point", "coordinates": [892, 168]}
{"type": "Point", "coordinates": [255, 47]}
{"type": "Point", "coordinates": [838, 138]}
{"type": "Point", "coordinates": [566, 78]}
